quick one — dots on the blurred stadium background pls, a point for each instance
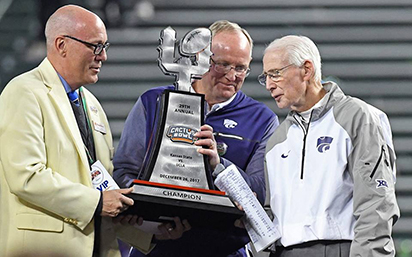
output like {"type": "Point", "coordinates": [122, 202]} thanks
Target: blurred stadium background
{"type": "Point", "coordinates": [366, 46]}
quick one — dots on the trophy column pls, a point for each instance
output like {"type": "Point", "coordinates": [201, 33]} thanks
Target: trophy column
{"type": "Point", "coordinates": [175, 159]}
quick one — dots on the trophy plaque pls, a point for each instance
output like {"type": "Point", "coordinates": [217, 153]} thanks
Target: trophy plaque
{"type": "Point", "coordinates": [176, 179]}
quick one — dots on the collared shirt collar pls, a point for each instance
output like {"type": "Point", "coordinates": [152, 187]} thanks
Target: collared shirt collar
{"type": "Point", "coordinates": [219, 106]}
{"type": "Point", "coordinates": [65, 84]}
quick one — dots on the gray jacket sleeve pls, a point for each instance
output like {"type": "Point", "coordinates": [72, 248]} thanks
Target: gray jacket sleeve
{"type": "Point", "coordinates": [130, 152]}
{"type": "Point", "coordinates": [372, 166]}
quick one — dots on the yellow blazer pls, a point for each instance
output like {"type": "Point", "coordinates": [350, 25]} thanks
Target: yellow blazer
{"type": "Point", "coordinates": [46, 197]}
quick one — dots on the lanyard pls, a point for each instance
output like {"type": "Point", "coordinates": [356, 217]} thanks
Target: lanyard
{"type": "Point", "coordinates": [90, 131]}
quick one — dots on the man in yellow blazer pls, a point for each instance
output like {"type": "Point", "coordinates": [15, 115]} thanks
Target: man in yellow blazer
{"type": "Point", "coordinates": [47, 201]}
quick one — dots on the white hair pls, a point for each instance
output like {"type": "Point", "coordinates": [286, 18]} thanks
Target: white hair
{"type": "Point", "coordinates": [298, 49]}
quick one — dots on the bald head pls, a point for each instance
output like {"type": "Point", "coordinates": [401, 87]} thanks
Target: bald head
{"type": "Point", "coordinates": [73, 35]}
{"type": "Point", "coordinates": [70, 20]}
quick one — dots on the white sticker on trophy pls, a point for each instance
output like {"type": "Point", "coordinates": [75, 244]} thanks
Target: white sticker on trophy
{"type": "Point", "coordinates": [101, 178]}
{"type": "Point", "coordinates": [99, 127]}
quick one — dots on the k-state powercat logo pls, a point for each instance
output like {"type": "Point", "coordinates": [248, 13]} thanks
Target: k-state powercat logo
{"type": "Point", "coordinates": [181, 134]}
{"type": "Point", "coordinates": [324, 144]}
{"type": "Point", "coordinates": [229, 123]}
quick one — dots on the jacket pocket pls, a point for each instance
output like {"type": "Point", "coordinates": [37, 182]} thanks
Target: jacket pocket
{"type": "Point", "coordinates": [378, 162]}
{"type": "Point", "coordinates": [38, 222]}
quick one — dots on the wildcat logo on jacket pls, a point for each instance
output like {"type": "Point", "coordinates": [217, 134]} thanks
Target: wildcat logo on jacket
{"type": "Point", "coordinates": [229, 123]}
{"type": "Point", "coordinates": [181, 134]}
{"type": "Point", "coordinates": [324, 144]}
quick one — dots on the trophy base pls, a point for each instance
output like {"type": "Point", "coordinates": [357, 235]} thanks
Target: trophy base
{"type": "Point", "coordinates": [201, 207]}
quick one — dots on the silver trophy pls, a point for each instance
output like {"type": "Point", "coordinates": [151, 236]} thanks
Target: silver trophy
{"type": "Point", "coordinates": [176, 179]}
{"type": "Point", "coordinates": [177, 161]}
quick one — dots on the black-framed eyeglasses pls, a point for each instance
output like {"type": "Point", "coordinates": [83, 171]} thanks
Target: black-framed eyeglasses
{"type": "Point", "coordinates": [98, 48]}
{"type": "Point", "coordinates": [274, 75]}
{"type": "Point", "coordinates": [221, 67]}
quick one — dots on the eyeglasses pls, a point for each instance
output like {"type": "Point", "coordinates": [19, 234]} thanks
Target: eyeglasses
{"type": "Point", "coordinates": [225, 68]}
{"type": "Point", "coordinates": [98, 48]}
{"type": "Point", "coordinates": [275, 75]}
